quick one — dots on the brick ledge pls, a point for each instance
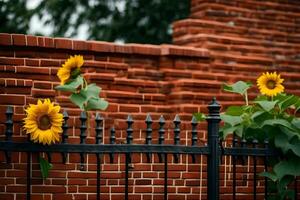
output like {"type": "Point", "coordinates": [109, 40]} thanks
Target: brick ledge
{"type": "Point", "coordinates": [100, 46]}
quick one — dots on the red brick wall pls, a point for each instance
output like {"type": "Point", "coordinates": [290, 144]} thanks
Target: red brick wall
{"type": "Point", "coordinates": [222, 41]}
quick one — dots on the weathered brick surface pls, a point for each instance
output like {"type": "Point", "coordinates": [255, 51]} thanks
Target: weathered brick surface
{"type": "Point", "coordinates": [221, 41]}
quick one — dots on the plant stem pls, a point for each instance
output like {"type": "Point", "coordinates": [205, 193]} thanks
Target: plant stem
{"type": "Point", "coordinates": [85, 83]}
{"type": "Point", "coordinates": [246, 98]}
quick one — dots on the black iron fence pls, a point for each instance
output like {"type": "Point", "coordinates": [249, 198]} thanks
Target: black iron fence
{"type": "Point", "coordinates": [213, 150]}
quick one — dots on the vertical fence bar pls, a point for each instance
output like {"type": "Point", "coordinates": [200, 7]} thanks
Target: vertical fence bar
{"type": "Point", "coordinates": [255, 142]}
{"type": "Point", "coordinates": [9, 130]}
{"type": "Point", "coordinates": [234, 143]}
{"type": "Point", "coordinates": [243, 145]}
{"type": "Point", "coordinates": [148, 122]}
{"type": "Point", "coordinates": [129, 139]}
{"type": "Point", "coordinates": [99, 137]}
{"type": "Point", "coordinates": [296, 189]}
{"type": "Point", "coordinates": [194, 136]}
{"type": "Point", "coordinates": [28, 174]}
{"type": "Point", "coordinates": [166, 177]}
{"type": "Point", "coordinates": [83, 128]}
{"type": "Point", "coordinates": [28, 193]}
{"type": "Point", "coordinates": [176, 122]}
{"type": "Point", "coordinates": [112, 140]}
{"type": "Point", "coordinates": [213, 158]}
{"type": "Point", "coordinates": [161, 132]}
{"type": "Point", "coordinates": [126, 175]}
{"type": "Point", "coordinates": [49, 157]}
{"type": "Point", "coordinates": [64, 136]}
{"type": "Point", "coordinates": [266, 146]}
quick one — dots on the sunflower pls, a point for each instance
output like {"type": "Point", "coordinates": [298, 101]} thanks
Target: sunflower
{"type": "Point", "coordinates": [43, 122]}
{"type": "Point", "coordinates": [270, 84]}
{"type": "Point", "coordinates": [70, 69]}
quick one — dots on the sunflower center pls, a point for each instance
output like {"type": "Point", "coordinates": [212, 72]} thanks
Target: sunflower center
{"type": "Point", "coordinates": [271, 84]}
{"type": "Point", "coordinates": [44, 122]}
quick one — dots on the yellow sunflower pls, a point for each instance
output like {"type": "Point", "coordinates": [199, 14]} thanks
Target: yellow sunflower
{"type": "Point", "coordinates": [270, 84]}
{"type": "Point", "coordinates": [43, 122]}
{"type": "Point", "coordinates": [70, 69]}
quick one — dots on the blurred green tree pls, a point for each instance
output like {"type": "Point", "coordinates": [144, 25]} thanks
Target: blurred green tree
{"type": "Point", "coordinates": [138, 21]}
{"type": "Point", "coordinates": [14, 16]}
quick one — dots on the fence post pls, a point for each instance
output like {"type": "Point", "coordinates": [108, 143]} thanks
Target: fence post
{"type": "Point", "coordinates": [213, 161]}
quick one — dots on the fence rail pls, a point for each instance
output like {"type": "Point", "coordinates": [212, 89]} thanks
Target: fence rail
{"type": "Point", "coordinates": [213, 150]}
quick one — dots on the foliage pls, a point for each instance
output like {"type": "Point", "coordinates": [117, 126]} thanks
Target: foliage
{"type": "Point", "coordinates": [139, 21]}
{"type": "Point", "coordinates": [45, 167]}
{"type": "Point", "coordinates": [14, 16]}
{"type": "Point", "coordinates": [84, 95]}
{"type": "Point", "coordinates": [273, 119]}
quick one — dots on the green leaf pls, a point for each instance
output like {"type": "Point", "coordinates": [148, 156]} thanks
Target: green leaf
{"type": "Point", "coordinates": [200, 116]}
{"type": "Point", "coordinates": [235, 110]}
{"type": "Point", "coordinates": [239, 87]}
{"type": "Point", "coordinates": [45, 166]}
{"type": "Point", "coordinates": [282, 142]}
{"type": "Point", "coordinates": [296, 122]}
{"type": "Point", "coordinates": [297, 105]}
{"type": "Point", "coordinates": [266, 105]}
{"type": "Point", "coordinates": [261, 98]}
{"type": "Point", "coordinates": [295, 145]}
{"type": "Point", "coordinates": [228, 129]}
{"type": "Point", "coordinates": [287, 167]}
{"type": "Point", "coordinates": [232, 120]}
{"type": "Point", "coordinates": [287, 101]}
{"type": "Point", "coordinates": [78, 99]}
{"type": "Point", "coordinates": [282, 183]}
{"type": "Point", "coordinates": [269, 175]}
{"type": "Point", "coordinates": [71, 86]}
{"type": "Point", "coordinates": [96, 103]}
{"type": "Point", "coordinates": [91, 90]}
{"type": "Point", "coordinates": [290, 194]}
{"type": "Point", "coordinates": [289, 133]}
{"type": "Point", "coordinates": [257, 114]}
{"type": "Point", "coordinates": [273, 122]}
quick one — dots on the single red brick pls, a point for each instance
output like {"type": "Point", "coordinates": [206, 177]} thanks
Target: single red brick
{"type": "Point", "coordinates": [10, 82]}
{"type": "Point", "coordinates": [19, 39]}
{"type": "Point", "coordinates": [15, 189]}
{"type": "Point", "coordinates": [42, 85]}
{"type": "Point", "coordinates": [145, 49]}
{"type": "Point", "coordinates": [12, 99]}
{"type": "Point", "coordinates": [32, 70]}
{"type": "Point", "coordinates": [8, 196]}
{"type": "Point", "coordinates": [129, 108]}
{"type": "Point", "coordinates": [48, 189]}
{"type": "Point", "coordinates": [31, 40]}
{"type": "Point", "coordinates": [41, 93]}
{"type": "Point", "coordinates": [41, 41]}
{"type": "Point", "coordinates": [12, 61]}
{"type": "Point", "coordinates": [123, 48]}
{"type": "Point", "coordinates": [28, 83]}
{"type": "Point", "coordinates": [62, 43]}
{"type": "Point", "coordinates": [50, 62]}
{"type": "Point", "coordinates": [32, 62]}
{"type": "Point", "coordinates": [72, 181]}
{"type": "Point", "coordinates": [49, 42]}
{"type": "Point", "coordinates": [5, 39]}
{"type": "Point", "coordinates": [81, 45]}
{"type": "Point", "coordinates": [101, 46]}
{"type": "Point", "coordinates": [63, 196]}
